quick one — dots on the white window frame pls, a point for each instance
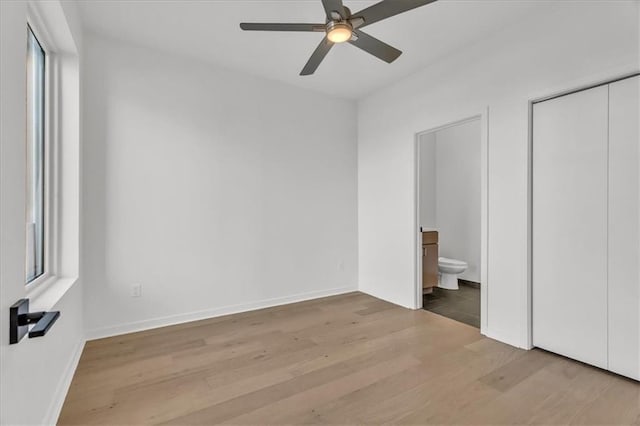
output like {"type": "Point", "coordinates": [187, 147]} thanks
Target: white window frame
{"type": "Point", "coordinates": [50, 190]}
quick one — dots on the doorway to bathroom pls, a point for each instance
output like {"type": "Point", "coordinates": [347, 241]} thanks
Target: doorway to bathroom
{"type": "Point", "coordinates": [451, 196]}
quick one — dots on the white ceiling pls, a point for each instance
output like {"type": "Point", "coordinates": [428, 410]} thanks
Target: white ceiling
{"type": "Point", "coordinates": [208, 30]}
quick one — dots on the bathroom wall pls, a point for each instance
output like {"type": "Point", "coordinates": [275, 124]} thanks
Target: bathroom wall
{"type": "Point", "coordinates": [450, 192]}
{"type": "Point", "coordinates": [458, 195]}
{"type": "Point", "coordinates": [428, 187]}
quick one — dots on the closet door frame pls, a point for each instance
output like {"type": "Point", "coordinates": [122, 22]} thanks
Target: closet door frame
{"type": "Point", "coordinates": [532, 102]}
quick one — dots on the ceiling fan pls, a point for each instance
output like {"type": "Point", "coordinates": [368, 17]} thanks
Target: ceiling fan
{"type": "Point", "coordinates": [343, 26]}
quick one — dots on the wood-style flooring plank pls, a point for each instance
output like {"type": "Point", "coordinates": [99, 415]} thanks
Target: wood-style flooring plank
{"type": "Point", "coordinates": [348, 359]}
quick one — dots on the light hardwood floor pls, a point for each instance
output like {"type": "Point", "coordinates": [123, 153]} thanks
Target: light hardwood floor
{"type": "Point", "coordinates": [349, 359]}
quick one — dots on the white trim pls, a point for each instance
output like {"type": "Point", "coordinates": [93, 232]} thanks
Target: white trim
{"type": "Point", "coordinates": [484, 226]}
{"type": "Point", "coordinates": [417, 278]}
{"type": "Point", "coordinates": [51, 148]}
{"type": "Point", "coordinates": [212, 313]}
{"type": "Point", "coordinates": [529, 289]}
{"type": "Point", "coordinates": [483, 117]}
{"type": "Point", "coordinates": [47, 295]}
{"type": "Point", "coordinates": [61, 257]}
{"type": "Point", "coordinates": [39, 27]}
{"type": "Point", "coordinates": [507, 338]}
{"type": "Point", "coordinates": [532, 101]}
{"type": "Point", "coordinates": [53, 412]}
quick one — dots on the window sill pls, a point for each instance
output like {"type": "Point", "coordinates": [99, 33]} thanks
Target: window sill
{"type": "Point", "coordinates": [49, 292]}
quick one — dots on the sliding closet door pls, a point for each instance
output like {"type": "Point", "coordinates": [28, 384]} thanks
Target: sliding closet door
{"type": "Point", "coordinates": [570, 225]}
{"type": "Point", "coordinates": [624, 256]}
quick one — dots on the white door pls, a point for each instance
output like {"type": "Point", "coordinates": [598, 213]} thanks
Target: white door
{"type": "Point", "coordinates": [624, 216]}
{"type": "Point", "coordinates": [569, 256]}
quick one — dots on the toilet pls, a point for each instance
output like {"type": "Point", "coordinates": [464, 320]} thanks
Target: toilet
{"type": "Point", "coordinates": [449, 271]}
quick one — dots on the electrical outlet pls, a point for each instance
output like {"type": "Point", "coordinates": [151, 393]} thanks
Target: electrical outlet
{"type": "Point", "coordinates": [136, 290]}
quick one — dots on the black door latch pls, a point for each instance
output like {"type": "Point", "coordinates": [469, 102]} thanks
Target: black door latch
{"type": "Point", "coordinates": [20, 319]}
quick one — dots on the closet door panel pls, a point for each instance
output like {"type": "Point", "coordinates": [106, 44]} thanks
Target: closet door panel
{"type": "Point", "coordinates": [570, 225]}
{"type": "Point", "coordinates": [624, 217]}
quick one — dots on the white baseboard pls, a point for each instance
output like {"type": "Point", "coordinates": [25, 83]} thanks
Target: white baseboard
{"type": "Point", "coordinates": [53, 412]}
{"type": "Point", "coordinates": [211, 313]}
{"type": "Point", "coordinates": [411, 306]}
{"type": "Point", "coordinates": [510, 340]}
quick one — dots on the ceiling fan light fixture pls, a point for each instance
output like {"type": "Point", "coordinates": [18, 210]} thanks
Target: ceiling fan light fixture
{"type": "Point", "coordinates": [339, 32]}
{"type": "Point", "coordinates": [340, 26]}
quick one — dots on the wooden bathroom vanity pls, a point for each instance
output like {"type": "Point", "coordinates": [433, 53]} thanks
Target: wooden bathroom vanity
{"type": "Point", "coordinates": [429, 261]}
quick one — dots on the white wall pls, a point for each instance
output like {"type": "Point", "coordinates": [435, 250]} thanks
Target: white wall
{"type": "Point", "coordinates": [574, 44]}
{"type": "Point", "coordinates": [450, 192]}
{"type": "Point", "coordinates": [217, 192]}
{"type": "Point", "coordinates": [36, 373]}
{"type": "Point", "coordinates": [428, 181]}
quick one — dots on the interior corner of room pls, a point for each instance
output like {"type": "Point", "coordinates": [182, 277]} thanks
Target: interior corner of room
{"type": "Point", "coordinates": [420, 212]}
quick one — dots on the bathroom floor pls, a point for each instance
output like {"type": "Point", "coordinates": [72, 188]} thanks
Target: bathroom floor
{"type": "Point", "coordinates": [461, 305]}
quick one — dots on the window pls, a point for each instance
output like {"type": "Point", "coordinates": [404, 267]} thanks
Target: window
{"type": "Point", "coordinates": [35, 150]}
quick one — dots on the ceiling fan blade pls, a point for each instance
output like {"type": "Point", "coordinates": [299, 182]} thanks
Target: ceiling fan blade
{"type": "Point", "coordinates": [334, 6]}
{"type": "Point", "coordinates": [316, 58]}
{"type": "Point", "coordinates": [375, 47]}
{"type": "Point", "coordinates": [388, 8]}
{"type": "Point", "coordinates": [281, 27]}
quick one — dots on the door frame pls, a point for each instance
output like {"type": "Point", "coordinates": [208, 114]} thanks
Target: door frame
{"type": "Point", "coordinates": [531, 103]}
{"type": "Point", "coordinates": [483, 117]}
